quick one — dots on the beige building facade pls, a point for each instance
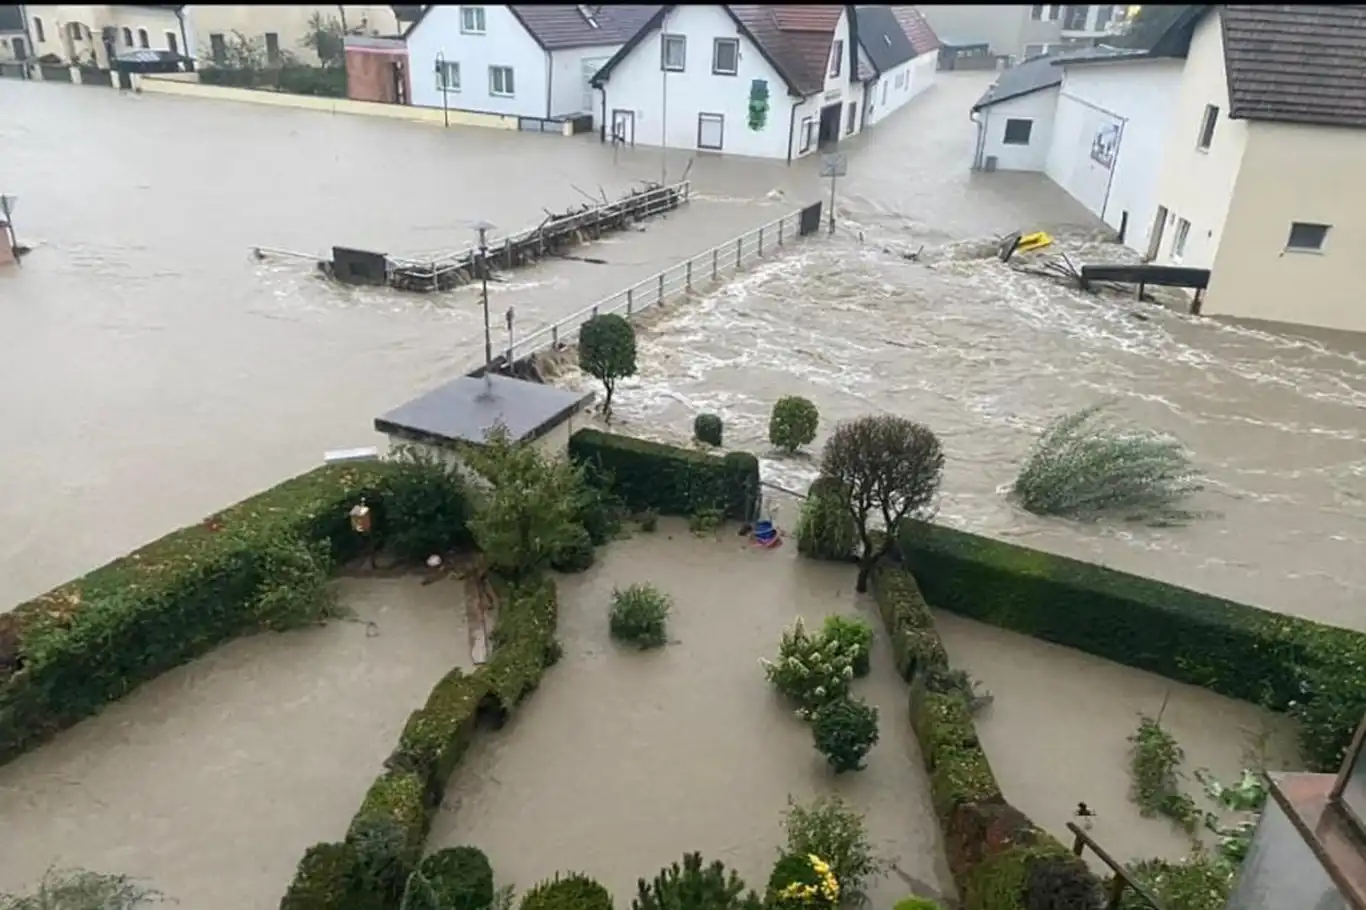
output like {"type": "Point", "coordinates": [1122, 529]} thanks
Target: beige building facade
{"type": "Point", "coordinates": [83, 34]}
{"type": "Point", "coordinates": [281, 31]}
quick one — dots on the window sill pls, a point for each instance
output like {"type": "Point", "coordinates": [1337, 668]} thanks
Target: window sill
{"type": "Point", "coordinates": [673, 69]}
{"type": "Point", "coordinates": [501, 95]}
{"type": "Point", "coordinates": [1202, 149]}
{"type": "Point", "coordinates": [1302, 251]}
{"type": "Point", "coordinates": [724, 73]}
{"type": "Point", "coordinates": [1016, 145]}
{"type": "Point", "coordinates": [468, 32]}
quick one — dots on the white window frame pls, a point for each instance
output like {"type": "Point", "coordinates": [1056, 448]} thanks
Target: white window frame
{"type": "Point", "coordinates": [509, 89]}
{"type": "Point", "coordinates": [708, 117]}
{"type": "Point", "coordinates": [836, 59]}
{"type": "Point", "coordinates": [473, 20]}
{"type": "Point", "coordinates": [1180, 238]}
{"type": "Point", "coordinates": [667, 41]}
{"type": "Point", "coordinates": [1323, 229]}
{"type": "Point", "coordinates": [808, 136]}
{"type": "Point", "coordinates": [716, 46]}
{"type": "Point", "coordinates": [1029, 134]}
{"type": "Point", "coordinates": [1208, 121]}
{"type": "Point", "coordinates": [444, 83]}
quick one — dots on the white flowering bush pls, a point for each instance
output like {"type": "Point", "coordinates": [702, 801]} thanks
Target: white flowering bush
{"type": "Point", "coordinates": [811, 668]}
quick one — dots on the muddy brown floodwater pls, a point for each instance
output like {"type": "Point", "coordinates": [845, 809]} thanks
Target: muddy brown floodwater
{"type": "Point", "coordinates": [211, 780]}
{"type": "Point", "coordinates": [625, 760]}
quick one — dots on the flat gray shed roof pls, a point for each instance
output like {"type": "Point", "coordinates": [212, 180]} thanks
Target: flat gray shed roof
{"type": "Point", "coordinates": [465, 409]}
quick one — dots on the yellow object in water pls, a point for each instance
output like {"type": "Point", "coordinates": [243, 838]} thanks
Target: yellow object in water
{"type": "Point", "coordinates": [1031, 242]}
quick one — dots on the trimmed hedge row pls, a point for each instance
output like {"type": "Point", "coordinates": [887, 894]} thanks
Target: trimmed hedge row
{"type": "Point", "coordinates": [387, 835]}
{"type": "Point", "coordinates": [1315, 672]}
{"type": "Point", "coordinates": [68, 653]}
{"type": "Point", "coordinates": [999, 858]}
{"type": "Point", "coordinates": [670, 480]}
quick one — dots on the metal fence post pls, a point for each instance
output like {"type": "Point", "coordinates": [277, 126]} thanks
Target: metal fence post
{"type": "Point", "coordinates": [780, 232]}
{"type": "Point", "coordinates": [687, 277]}
{"type": "Point", "coordinates": [761, 243]}
{"type": "Point", "coordinates": [738, 242]}
{"type": "Point", "coordinates": [630, 302]}
{"type": "Point", "coordinates": [715, 255]}
{"type": "Point", "coordinates": [555, 336]}
{"type": "Point", "coordinates": [660, 297]}
{"type": "Point", "coordinates": [595, 306]}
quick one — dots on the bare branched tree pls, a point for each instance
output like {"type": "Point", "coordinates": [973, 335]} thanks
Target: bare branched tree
{"type": "Point", "coordinates": [885, 468]}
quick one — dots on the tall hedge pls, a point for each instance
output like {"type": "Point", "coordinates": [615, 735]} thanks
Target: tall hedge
{"type": "Point", "coordinates": [994, 851]}
{"type": "Point", "coordinates": [670, 480]}
{"type": "Point", "coordinates": [68, 653]}
{"type": "Point", "coordinates": [1315, 672]}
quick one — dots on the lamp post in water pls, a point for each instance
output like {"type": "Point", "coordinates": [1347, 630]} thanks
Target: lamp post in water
{"type": "Point", "coordinates": [445, 86]}
{"type": "Point", "coordinates": [834, 166]}
{"type": "Point", "coordinates": [483, 227]}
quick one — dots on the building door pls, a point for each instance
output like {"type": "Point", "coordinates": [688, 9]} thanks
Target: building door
{"type": "Point", "coordinates": [590, 69]}
{"type": "Point", "coordinates": [20, 49]}
{"type": "Point", "coordinates": [1155, 235]}
{"type": "Point", "coordinates": [830, 123]}
{"type": "Point", "coordinates": [624, 127]}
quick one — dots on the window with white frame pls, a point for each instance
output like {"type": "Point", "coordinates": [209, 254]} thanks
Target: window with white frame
{"type": "Point", "coordinates": [127, 36]}
{"type": "Point", "coordinates": [673, 53]}
{"type": "Point", "coordinates": [808, 134]}
{"type": "Point", "coordinates": [1207, 124]}
{"type": "Point", "coordinates": [447, 76]}
{"type": "Point", "coordinates": [836, 59]}
{"type": "Point", "coordinates": [725, 57]}
{"type": "Point", "coordinates": [1183, 231]}
{"type": "Point", "coordinates": [472, 20]}
{"type": "Point", "coordinates": [500, 81]}
{"type": "Point", "coordinates": [143, 40]}
{"type": "Point", "coordinates": [1307, 237]}
{"type": "Point", "coordinates": [711, 132]}
{"type": "Point", "coordinates": [1018, 131]}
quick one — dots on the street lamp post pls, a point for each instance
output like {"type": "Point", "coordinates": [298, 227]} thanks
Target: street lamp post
{"type": "Point", "coordinates": [441, 78]}
{"type": "Point", "coordinates": [483, 227]}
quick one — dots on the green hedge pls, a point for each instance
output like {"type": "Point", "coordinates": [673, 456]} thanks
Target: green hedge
{"type": "Point", "coordinates": [670, 480]}
{"type": "Point", "coordinates": [68, 653]}
{"type": "Point", "coordinates": [404, 798]}
{"type": "Point", "coordinates": [992, 848]}
{"type": "Point", "coordinates": [1315, 672]}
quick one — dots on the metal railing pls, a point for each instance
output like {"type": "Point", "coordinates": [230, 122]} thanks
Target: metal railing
{"type": "Point", "coordinates": [697, 273]}
{"type": "Point", "coordinates": [656, 202]}
{"type": "Point", "coordinates": [1120, 880]}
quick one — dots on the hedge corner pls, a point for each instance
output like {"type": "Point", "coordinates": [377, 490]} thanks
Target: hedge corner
{"type": "Point", "coordinates": [916, 645]}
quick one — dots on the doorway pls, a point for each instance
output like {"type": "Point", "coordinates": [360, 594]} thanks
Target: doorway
{"type": "Point", "coordinates": [624, 127]}
{"type": "Point", "coordinates": [830, 123]}
{"type": "Point", "coordinates": [1155, 235]}
{"type": "Point", "coordinates": [20, 49]}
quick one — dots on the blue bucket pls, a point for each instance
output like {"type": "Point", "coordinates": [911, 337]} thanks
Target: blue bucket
{"type": "Point", "coordinates": [764, 530]}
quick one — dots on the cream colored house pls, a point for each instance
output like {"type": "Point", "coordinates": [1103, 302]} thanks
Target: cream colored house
{"type": "Point", "coordinates": [1263, 175]}
{"type": "Point", "coordinates": [86, 34]}
{"type": "Point", "coordinates": [281, 30]}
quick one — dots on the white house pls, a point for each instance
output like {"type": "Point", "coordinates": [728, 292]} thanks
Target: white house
{"type": "Point", "coordinates": [524, 61]}
{"type": "Point", "coordinates": [903, 51]}
{"type": "Point", "coordinates": [762, 81]}
{"type": "Point", "coordinates": [1014, 118]}
{"type": "Point", "coordinates": [87, 34]}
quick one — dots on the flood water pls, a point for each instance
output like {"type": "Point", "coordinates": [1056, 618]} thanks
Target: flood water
{"type": "Point", "coordinates": [210, 781]}
{"type": "Point", "coordinates": [625, 760]}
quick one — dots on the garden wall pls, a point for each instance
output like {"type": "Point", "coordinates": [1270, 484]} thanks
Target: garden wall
{"type": "Point", "coordinates": [999, 858]}
{"type": "Point", "coordinates": [1317, 673]}
{"type": "Point", "coordinates": [68, 653]}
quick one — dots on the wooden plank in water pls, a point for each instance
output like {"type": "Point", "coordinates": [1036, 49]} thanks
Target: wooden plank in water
{"type": "Point", "coordinates": [1170, 276]}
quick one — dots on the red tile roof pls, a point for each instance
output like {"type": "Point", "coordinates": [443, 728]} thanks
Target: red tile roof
{"type": "Point", "coordinates": [813, 18]}
{"type": "Point", "coordinates": [922, 37]}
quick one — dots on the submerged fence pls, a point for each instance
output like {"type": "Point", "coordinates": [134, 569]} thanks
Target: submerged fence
{"type": "Point", "coordinates": [695, 274]}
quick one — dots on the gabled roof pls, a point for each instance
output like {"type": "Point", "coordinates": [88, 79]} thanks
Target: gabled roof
{"type": "Point", "coordinates": [918, 31]}
{"type": "Point", "coordinates": [798, 53]}
{"type": "Point", "coordinates": [1026, 78]}
{"type": "Point", "coordinates": [883, 38]}
{"type": "Point", "coordinates": [560, 26]}
{"type": "Point", "coordinates": [1286, 63]}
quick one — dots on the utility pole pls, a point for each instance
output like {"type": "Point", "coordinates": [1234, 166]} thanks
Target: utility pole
{"type": "Point", "coordinates": [441, 77]}
{"type": "Point", "coordinates": [834, 166]}
{"type": "Point", "coordinates": [483, 227]}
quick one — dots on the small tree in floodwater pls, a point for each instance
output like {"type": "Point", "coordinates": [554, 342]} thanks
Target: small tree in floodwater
{"type": "Point", "coordinates": [607, 350]}
{"type": "Point", "coordinates": [1084, 467]}
{"type": "Point", "coordinates": [883, 467]}
{"type": "Point", "coordinates": [81, 889]}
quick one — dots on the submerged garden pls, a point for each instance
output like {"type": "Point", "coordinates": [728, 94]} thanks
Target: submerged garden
{"type": "Point", "coordinates": [531, 519]}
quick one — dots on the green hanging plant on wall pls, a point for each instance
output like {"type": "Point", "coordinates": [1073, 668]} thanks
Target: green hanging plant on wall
{"type": "Point", "coordinates": [758, 104]}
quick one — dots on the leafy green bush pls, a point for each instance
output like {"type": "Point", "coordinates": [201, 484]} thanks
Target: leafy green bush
{"type": "Point", "coordinates": [855, 636]}
{"type": "Point", "coordinates": [327, 879]}
{"type": "Point", "coordinates": [639, 614]}
{"type": "Point", "coordinates": [607, 351]}
{"type": "Point", "coordinates": [809, 669]}
{"type": "Point", "coordinates": [802, 883]}
{"type": "Point", "coordinates": [695, 886]}
{"type": "Point", "coordinates": [572, 891]}
{"type": "Point", "coordinates": [600, 510]}
{"type": "Point", "coordinates": [427, 508]}
{"type": "Point", "coordinates": [825, 528]}
{"type": "Point", "coordinates": [1085, 467]}
{"type": "Point", "coordinates": [68, 653]}
{"type": "Point", "coordinates": [460, 878]}
{"type": "Point", "coordinates": [1155, 768]}
{"type": "Point", "coordinates": [844, 731]}
{"type": "Point", "coordinates": [707, 428]}
{"type": "Point", "coordinates": [916, 646]}
{"type": "Point", "coordinates": [793, 423]}
{"type": "Point", "coordinates": [670, 480]}
{"type": "Point", "coordinates": [1197, 883]}
{"type": "Point", "coordinates": [80, 889]}
{"type": "Point", "coordinates": [1315, 672]}
{"type": "Point", "coordinates": [829, 829]}
{"type": "Point", "coordinates": [575, 553]}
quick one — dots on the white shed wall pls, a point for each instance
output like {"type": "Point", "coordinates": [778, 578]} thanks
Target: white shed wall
{"type": "Point", "coordinates": [1038, 107]}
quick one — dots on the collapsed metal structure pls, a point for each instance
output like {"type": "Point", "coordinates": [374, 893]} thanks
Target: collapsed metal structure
{"type": "Point", "coordinates": [553, 237]}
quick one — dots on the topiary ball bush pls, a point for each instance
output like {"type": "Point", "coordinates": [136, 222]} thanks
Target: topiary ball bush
{"type": "Point", "coordinates": [576, 554]}
{"type": "Point", "coordinates": [461, 878]}
{"type": "Point", "coordinates": [571, 891]}
{"type": "Point", "coordinates": [707, 428]}
{"type": "Point", "coordinates": [793, 423]}
{"type": "Point", "coordinates": [844, 731]}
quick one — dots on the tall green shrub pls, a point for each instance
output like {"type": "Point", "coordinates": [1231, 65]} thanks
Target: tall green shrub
{"type": "Point", "coordinates": [607, 351]}
{"type": "Point", "coordinates": [825, 528]}
{"type": "Point", "coordinates": [793, 423]}
{"type": "Point", "coordinates": [695, 886]}
{"type": "Point", "coordinates": [460, 877]}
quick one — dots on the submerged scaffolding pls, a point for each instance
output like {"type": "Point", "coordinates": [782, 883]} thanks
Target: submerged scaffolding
{"type": "Point", "coordinates": [552, 237]}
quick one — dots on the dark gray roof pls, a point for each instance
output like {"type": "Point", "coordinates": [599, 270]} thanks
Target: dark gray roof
{"type": "Point", "coordinates": [559, 26]}
{"type": "Point", "coordinates": [1296, 64]}
{"type": "Point", "coordinates": [882, 37]}
{"type": "Point", "coordinates": [1033, 75]}
{"type": "Point", "coordinates": [460, 411]}
{"type": "Point", "coordinates": [11, 19]}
